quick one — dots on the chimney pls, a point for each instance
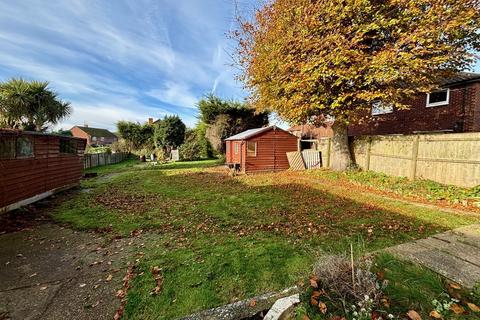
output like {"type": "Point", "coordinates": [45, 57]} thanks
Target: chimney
{"type": "Point", "coordinates": [150, 121]}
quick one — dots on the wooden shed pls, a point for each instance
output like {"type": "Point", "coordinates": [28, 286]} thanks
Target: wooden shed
{"type": "Point", "coordinates": [35, 165]}
{"type": "Point", "coordinates": [262, 149]}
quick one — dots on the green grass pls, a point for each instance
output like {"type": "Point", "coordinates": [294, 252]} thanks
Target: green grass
{"type": "Point", "coordinates": [219, 238]}
{"type": "Point", "coordinates": [427, 189]}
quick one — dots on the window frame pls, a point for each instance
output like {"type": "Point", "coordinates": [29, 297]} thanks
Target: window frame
{"type": "Point", "coordinates": [379, 105]}
{"type": "Point", "coordinates": [32, 143]}
{"type": "Point", "coordinates": [71, 146]}
{"type": "Point", "coordinates": [249, 152]}
{"type": "Point", "coordinates": [440, 103]}
{"type": "Point", "coordinates": [235, 147]}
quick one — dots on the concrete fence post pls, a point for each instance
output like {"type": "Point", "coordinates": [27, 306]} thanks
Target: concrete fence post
{"type": "Point", "coordinates": [413, 167]}
{"type": "Point", "coordinates": [329, 151]}
{"type": "Point", "coordinates": [369, 149]}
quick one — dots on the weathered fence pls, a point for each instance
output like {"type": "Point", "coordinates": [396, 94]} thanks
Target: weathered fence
{"type": "Point", "coordinates": [446, 158]}
{"type": "Point", "coordinates": [92, 160]}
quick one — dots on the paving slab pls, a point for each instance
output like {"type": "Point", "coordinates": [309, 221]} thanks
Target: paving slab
{"type": "Point", "coordinates": [454, 254]}
{"type": "Point", "coordinates": [51, 272]}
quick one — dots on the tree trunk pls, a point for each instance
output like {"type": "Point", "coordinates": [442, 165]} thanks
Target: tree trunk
{"type": "Point", "coordinates": [341, 156]}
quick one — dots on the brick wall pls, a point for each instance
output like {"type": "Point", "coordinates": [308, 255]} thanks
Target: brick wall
{"type": "Point", "coordinates": [78, 133]}
{"type": "Point", "coordinates": [463, 107]}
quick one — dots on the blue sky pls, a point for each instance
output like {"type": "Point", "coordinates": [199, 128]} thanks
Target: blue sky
{"type": "Point", "coordinates": [122, 60]}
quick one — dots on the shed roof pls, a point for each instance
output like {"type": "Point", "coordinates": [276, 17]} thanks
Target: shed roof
{"type": "Point", "coordinates": [97, 132]}
{"type": "Point", "coordinates": [250, 133]}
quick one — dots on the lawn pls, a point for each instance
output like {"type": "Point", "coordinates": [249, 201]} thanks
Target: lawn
{"type": "Point", "coordinates": [219, 238]}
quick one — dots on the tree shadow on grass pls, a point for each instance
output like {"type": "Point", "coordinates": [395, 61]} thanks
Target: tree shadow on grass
{"type": "Point", "coordinates": [214, 203]}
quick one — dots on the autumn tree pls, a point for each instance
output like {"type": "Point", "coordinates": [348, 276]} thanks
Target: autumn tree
{"type": "Point", "coordinates": [310, 60]}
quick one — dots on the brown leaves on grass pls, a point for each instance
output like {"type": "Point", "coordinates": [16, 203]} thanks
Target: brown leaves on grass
{"type": "Point", "coordinates": [457, 309]}
{"type": "Point", "coordinates": [127, 202]}
{"type": "Point", "coordinates": [413, 315]}
{"type": "Point", "coordinates": [473, 307]}
{"type": "Point", "coordinates": [121, 294]}
{"type": "Point", "coordinates": [434, 314]}
{"type": "Point", "coordinates": [158, 277]}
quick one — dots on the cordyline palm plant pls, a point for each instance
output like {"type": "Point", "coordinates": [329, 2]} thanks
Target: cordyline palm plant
{"type": "Point", "coordinates": [30, 105]}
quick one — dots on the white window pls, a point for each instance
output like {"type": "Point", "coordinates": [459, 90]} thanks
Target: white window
{"type": "Point", "coordinates": [251, 149]}
{"type": "Point", "coordinates": [438, 98]}
{"type": "Point", "coordinates": [94, 138]}
{"type": "Point", "coordinates": [380, 107]}
{"type": "Point", "coordinates": [102, 139]}
{"type": "Point", "coordinates": [235, 147]}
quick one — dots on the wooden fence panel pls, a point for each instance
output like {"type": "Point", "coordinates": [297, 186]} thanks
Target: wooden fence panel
{"type": "Point", "coordinates": [92, 160]}
{"type": "Point", "coordinates": [452, 158]}
{"type": "Point", "coordinates": [446, 158]}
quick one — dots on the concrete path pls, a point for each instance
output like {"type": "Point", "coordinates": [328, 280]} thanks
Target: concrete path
{"type": "Point", "coordinates": [454, 254]}
{"type": "Point", "coordinates": [51, 272]}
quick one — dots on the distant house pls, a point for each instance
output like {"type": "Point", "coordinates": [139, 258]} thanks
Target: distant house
{"type": "Point", "coordinates": [94, 136]}
{"type": "Point", "coordinates": [261, 149]}
{"type": "Point", "coordinates": [310, 134]}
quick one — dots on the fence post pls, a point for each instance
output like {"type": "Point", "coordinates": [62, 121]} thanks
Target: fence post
{"type": "Point", "coordinates": [369, 148]}
{"type": "Point", "coordinates": [329, 151]}
{"type": "Point", "coordinates": [413, 167]}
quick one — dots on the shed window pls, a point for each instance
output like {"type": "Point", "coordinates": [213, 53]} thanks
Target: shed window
{"type": "Point", "coordinates": [438, 98]}
{"type": "Point", "coordinates": [7, 147]}
{"type": "Point", "coordinates": [251, 149]}
{"type": "Point", "coordinates": [235, 148]}
{"type": "Point", "coordinates": [24, 147]}
{"type": "Point", "coordinates": [380, 107]}
{"type": "Point", "coordinates": [68, 146]}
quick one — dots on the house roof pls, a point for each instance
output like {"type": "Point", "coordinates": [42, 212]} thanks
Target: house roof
{"type": "Point", "coordinates": [461, 77]}
{"type": "Point", "coordinates": [97, 132]}
{"type": "Point", "coordinates": [250, 133]}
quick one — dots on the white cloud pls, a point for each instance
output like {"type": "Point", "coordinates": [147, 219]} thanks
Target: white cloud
{"type": "Point", "coordinates": [175, 94]}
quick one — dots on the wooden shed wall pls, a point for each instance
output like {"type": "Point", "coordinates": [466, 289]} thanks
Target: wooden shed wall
{"type": "Point", "coordinates": [272, 148]}
{"type": "Point", "coordinates": [47, 170]}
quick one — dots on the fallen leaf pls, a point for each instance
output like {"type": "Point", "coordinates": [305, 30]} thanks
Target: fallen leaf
{"type": "Point", "coordinates": [109, 278]}
{"type": "Point", "coordinates": [436, 315]}
{"type": "Point", "coordinates": [305, 317]}
{"type": "Point", "coordinates": [43, 288]}
{"type": "Point", "coordinates": [313, 301]}
{"type": "Point", "coordinates": [33, 275]}
{"type": "Point", "coordinates": [413, 315]}
{"type": "Point", "coordinates": [313, 282]}
{"type": "Point", "coordinates": [454, 285]}
{"type": "Point", "coordinates": [385, 302]}
{"type": "Point", "coordinates": [473, 307]}
{"type": "Point", "coordinates": [323, 307]}
{"type": "Point", "coordinates": [253, 303]}
{"type": "Point", "coordinates": [82, 285]}
{"type": "Point", "coordinates": [457, 309]}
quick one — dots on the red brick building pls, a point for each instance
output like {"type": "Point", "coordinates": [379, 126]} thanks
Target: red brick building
{"type": "Point", "coordinates": [454, 108]}
{"type": "Point", "coordinates": [94, 136]}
